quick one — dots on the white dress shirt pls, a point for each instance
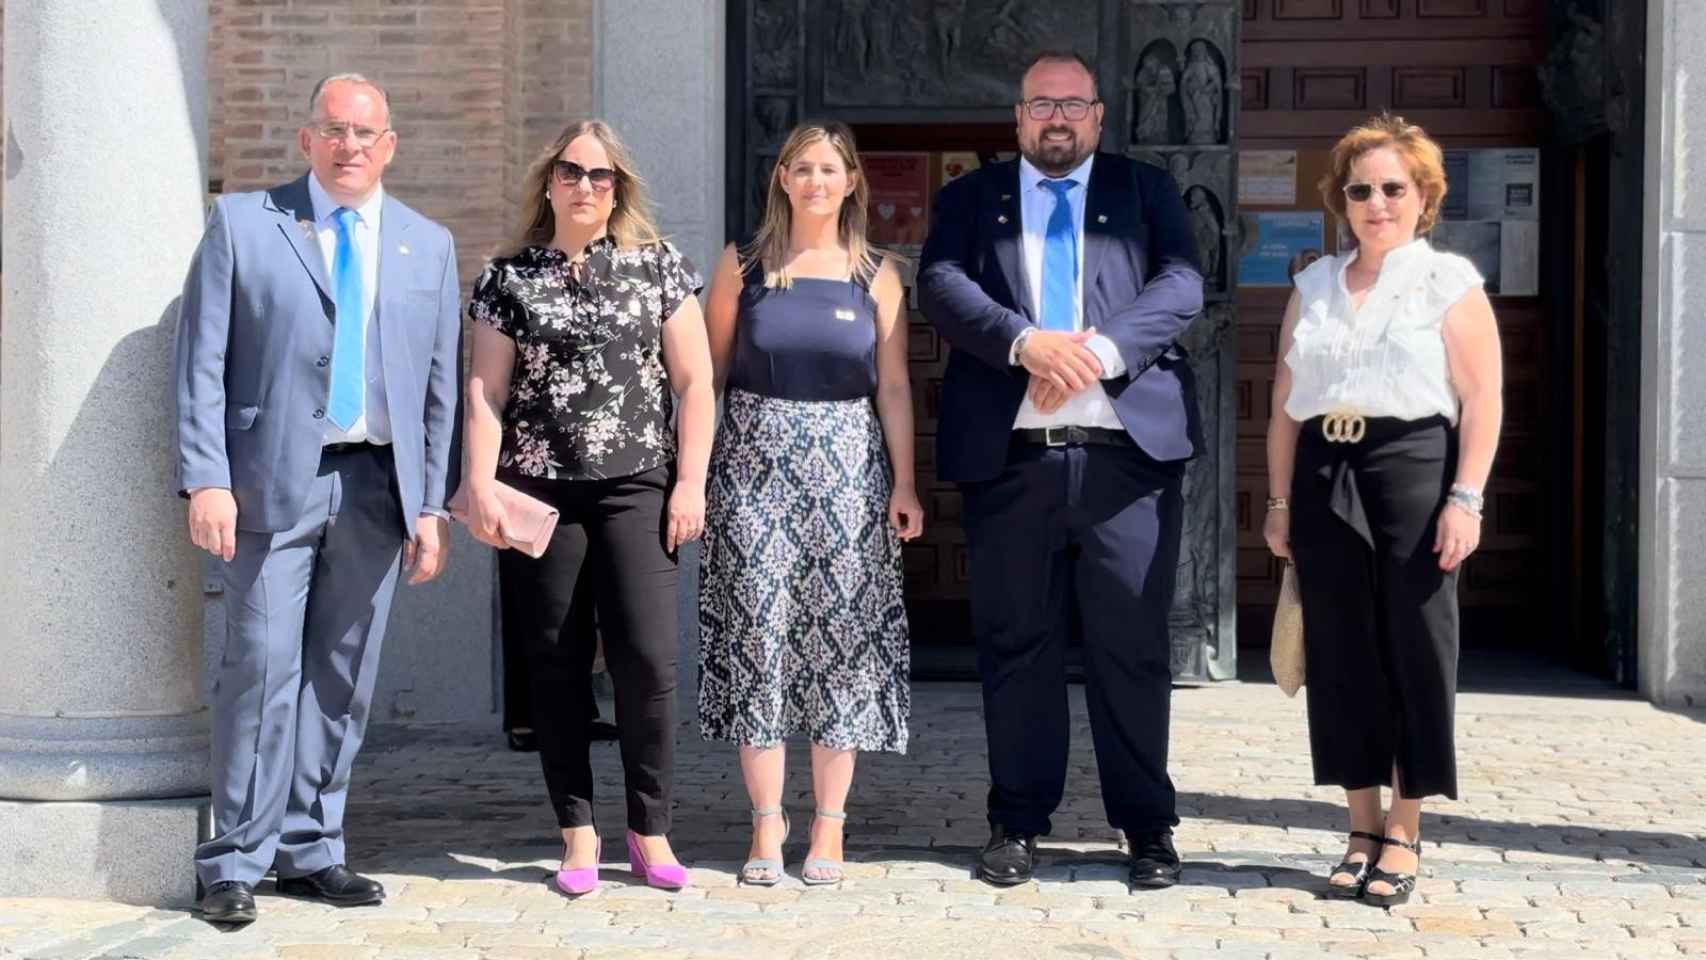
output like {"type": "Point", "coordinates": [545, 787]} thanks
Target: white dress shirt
{"type": "Point", "coordinates": [1387, 358]}
{"type": "Point", "coordinates": [374, 424]}
{"type": "Point", "coordinates": [1089, 407]}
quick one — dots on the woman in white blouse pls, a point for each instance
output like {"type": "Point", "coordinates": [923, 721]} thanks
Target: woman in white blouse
{"type": "Point", "coordinates": [1385, 417]}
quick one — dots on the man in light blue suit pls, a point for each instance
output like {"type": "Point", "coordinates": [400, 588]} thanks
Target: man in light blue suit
{"type": "Point", "coordinates": [317, 377]}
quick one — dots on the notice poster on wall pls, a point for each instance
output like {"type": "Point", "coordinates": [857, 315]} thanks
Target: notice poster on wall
{"type": "Point", "coordinates": [1491, 215]}
{"type": "Point", "coordinates": [1267, 178]}
{"type": "Point", "coordinates": [899, 209]}
{"type": "Point", "coordinates": [957, 163]}
{"type": "Point", "coordinates": [1504, 184]}
{"type": "Point", "coordinates": [1280, 244]}
{"type": "Point", "coordinates": [1479, 241]}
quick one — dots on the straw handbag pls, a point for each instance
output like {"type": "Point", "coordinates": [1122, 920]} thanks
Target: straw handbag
{"type": "Point", "coordinates": [1285, 653]}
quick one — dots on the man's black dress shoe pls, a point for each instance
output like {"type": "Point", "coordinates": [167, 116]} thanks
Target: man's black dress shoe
{"type": "Point", "coordinates": [1154, 862]}
{"type": "Point", "coordinates": [337, 885]}
{"type": "Point", "coordinates": [1008, 858]}
{"type": "Point", "coordinates": [229, 901]}
{"type": "Point", "coordinates": [523, 741]}
{"type": "Point", "coordinates": [601, 730]}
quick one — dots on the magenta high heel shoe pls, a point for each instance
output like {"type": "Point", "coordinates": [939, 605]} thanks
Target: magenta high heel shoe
{"type": "Point", "coordinates": [578, 881]}
{"type": "Point", "coordinates": [663, 876]}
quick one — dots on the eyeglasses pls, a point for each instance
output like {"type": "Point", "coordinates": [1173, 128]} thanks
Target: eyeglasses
{"type": "Point", "coordinates": [569, 173]}
{"type": "Point", "coordinates": [338, 132]}
{"type": "Point", "coordinates": [1072, 108]}
{"type": "Point", "coordinates": [1361, 192]}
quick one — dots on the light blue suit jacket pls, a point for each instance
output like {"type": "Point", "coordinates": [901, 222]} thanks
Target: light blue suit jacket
{"type": "Point", "coordinates": [254, 356]}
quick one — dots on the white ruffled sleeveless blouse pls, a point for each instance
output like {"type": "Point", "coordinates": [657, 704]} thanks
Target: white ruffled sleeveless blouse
{"type": "Point", "coordinates": [1388, 358]}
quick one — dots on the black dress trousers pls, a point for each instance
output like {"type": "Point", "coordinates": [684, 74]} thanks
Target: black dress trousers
{"type": "Point", "coordinates": [616, 528]}
{"type": "Point", "coordinates": [1094, 528]}
{"type": "Point", "coordinates": [1380, 619]}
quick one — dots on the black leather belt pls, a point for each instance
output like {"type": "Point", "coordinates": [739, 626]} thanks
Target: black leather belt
{"type": "Point", "coordinates": [334, 449]}
{"type": "Point", "coordinates": [1073, 436]}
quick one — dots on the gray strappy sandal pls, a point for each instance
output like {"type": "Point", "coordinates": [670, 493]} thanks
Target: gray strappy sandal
{"type": "Point", "coordinates": [829, 871]}
{"type": "Point", "coordinates": [765, 871]}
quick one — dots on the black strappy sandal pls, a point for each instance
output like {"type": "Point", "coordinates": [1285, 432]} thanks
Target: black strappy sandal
{"type": "Point", "coordinates": [1359, 871]}
{"type": "Point", "coordinates": [1403, 884]}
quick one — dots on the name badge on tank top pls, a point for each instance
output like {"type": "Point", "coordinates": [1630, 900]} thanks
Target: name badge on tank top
{"type": "Point", "coordinates": [843, 313]}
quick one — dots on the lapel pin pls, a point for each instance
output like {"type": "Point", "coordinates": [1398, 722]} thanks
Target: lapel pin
{"type": "Point", "coordinates": [307, 227]}
{"type": "Point", "coordinates": [403, 249]}
{"type": "Point", "coordinates": [1006, 196]}
{"type": "Point", "coordinates": [1101, 218]}
{"type": "Point", "coordinates": [1001, 219]}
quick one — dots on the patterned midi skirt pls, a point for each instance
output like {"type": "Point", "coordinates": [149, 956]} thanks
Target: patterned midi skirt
{"type": "Point", "coordinates": [802, 629]}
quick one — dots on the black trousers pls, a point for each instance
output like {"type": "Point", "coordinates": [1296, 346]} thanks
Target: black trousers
{"type": "Point", "coordinates": [582, 620]}
{"type": "Point", "coordinates": [1380, 618]}
{"type": "Point", "coordinates": [1096, 528]}
{"type": "Point", "coordinates": [615, 527]}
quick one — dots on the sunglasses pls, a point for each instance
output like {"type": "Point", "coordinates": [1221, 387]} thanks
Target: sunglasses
{"type": "Point", "coordinates": [1361, 192]}
{"type": "Point", "coordinates": [569, 173]}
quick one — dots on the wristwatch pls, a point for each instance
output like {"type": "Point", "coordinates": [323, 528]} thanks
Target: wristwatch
{"type": "Point", "coordinates": [1014, 355]}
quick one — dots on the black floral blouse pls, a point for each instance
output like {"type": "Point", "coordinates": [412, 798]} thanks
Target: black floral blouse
{"type": "Point", "coordinates": [588, 399]}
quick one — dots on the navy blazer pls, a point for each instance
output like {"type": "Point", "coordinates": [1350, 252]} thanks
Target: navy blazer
{"type": "Point", "coordinates": [1142, 288]}
{"type": "Point", "coordinates": [255, 342]}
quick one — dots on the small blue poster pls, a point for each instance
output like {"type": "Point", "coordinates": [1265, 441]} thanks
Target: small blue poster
{"type": "Point", "coordinates": [1280, 244]}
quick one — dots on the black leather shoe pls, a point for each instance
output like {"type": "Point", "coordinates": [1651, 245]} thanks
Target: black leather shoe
{"type": "Point", "coordinates": [523, 741]}
{"type": "Point", "coordinates": [601, 730]}
{"type": "Point", "coordinates": [1008, 858]}
{"type": "Point", "coordinates": [337, 885]}
{"type": "Point", "coordinates": [1154, 862]}
{"type": "Point", "coordinates": [229, 901]}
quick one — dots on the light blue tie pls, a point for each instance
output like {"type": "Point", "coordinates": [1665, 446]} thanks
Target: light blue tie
{"type": "Point", "coordinates": [349, 365]}
{"type": "Point", "coordinates": [1060, 261]}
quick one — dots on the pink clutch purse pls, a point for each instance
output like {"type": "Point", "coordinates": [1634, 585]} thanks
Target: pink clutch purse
{"type": "Point", "coordinates": [530, 521]}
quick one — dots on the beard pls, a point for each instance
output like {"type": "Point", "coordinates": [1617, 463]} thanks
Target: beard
{"type": "Point", "coordinates": [1055, 157]}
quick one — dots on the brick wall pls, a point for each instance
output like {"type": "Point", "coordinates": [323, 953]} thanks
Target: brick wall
{"type": "Point", "coordinates": [478, 87]}
{"type": "Point", "coordinates": [471, 81]}
{"type": "Point", "coordinates": [551, 79]}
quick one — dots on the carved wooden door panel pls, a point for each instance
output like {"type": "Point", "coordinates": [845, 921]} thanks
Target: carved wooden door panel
{"type": "Point", "coordinates": [1464, 70]}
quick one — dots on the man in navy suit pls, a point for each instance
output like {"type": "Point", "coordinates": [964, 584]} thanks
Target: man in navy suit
{"type": "Point", "coordinates": [1062, 281]}
{"type": "Point", "coordinates": [318, 344]}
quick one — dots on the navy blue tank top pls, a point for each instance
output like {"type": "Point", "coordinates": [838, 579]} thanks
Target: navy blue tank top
{"type": "Point", "coordinates": [816, 340]}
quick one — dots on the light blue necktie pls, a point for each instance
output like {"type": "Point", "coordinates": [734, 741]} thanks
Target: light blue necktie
{"type": "Point", "coordinates": [1060, 261]}
{"type": "Point", "coordinates": [349, 365]}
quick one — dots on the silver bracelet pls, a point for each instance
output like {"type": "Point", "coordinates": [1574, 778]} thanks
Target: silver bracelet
{"type": "Point", "coordinates": [1466, 498]}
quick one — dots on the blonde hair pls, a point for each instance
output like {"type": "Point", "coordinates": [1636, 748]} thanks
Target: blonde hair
{"type": "Point", "coordinates": [631, 223]}
{"type": "Point", "coordinates": [1423, 157]}
{"type": "Point", "coordinates": [769, 246]}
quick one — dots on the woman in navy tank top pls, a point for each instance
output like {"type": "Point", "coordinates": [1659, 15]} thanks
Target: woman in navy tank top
{"type": "Point", "coordinates": [809, 496]}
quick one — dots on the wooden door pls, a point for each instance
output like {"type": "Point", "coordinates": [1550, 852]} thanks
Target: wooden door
{"type": "Point", "coordinates": [1465, 71]}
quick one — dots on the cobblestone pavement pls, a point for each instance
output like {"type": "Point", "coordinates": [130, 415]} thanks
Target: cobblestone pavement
{"type": "Point", "coordinates": [1581, 833]}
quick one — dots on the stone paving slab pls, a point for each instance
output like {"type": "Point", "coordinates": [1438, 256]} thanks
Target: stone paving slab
{"type": "Point", "coordinates": [1581, 833]}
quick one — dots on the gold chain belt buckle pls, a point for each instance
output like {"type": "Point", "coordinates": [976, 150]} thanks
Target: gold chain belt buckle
{"type": "Point", "coordinates": [1343, 427]}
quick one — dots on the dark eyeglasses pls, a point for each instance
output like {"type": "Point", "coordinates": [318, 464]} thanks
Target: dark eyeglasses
{"type": "Point", "coordinates": [1361, 192]}
{"type": "Point", "coordinates": [1043, 108]}
{"type": "Point", "coordinates": [569, 173]}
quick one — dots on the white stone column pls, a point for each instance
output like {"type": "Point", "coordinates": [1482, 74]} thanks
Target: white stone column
{"type": "Point", "coordinates": [658, 78]}
{"type": "Point", "coordinates": [103, 730]}
{"type": "Point", "coordinates": [1672, 605]}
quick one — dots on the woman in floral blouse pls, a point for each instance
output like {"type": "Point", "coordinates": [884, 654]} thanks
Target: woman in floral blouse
{"type": "Point", "coordinates": [582, 332]}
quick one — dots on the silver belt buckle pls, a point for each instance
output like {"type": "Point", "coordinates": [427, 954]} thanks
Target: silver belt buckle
{"type": "Point", "coordinates": [1057, 436]}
